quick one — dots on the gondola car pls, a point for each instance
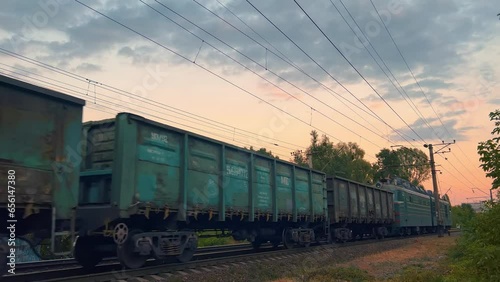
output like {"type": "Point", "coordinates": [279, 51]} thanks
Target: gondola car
{"type": "Point", "coordinates": [147, 187]}
{"type": "Point", "coordinates": [356, 209]}
{"type": "Point", "coordinates": [39, 128]}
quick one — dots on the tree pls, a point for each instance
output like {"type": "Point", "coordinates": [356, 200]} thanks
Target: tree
{"type": "Point", "coordinates": [477, 252]}
{"type": "Point", "coordinates": [263, 151]}
{"type": "Point", "coordinates": [407, 163]}
{"type": "Point", "coordinates": [462, 215]}
{"type": "Point", "coordinates": [342, 159]}
{"type": "Point", "coordinates": [489, 152]}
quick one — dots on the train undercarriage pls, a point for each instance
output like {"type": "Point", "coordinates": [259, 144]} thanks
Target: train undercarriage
{"type": "Point", "coordinates": [134, 243]}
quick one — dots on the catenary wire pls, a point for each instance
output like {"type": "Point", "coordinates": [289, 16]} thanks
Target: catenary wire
{"type": "Point", "coordinates": [275, 85]}
{"type": "Point", "coordinates": [421, 90]}
{"type": "Point", "coordinates": [357, 71]}
{"type": "Point", "coordinates": [330, 75]}
{"type": "Point", "coordinates": [288, 61]}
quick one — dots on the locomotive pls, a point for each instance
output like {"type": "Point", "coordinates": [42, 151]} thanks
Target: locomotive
{"type": "Point", "coordinates": [134, 188]}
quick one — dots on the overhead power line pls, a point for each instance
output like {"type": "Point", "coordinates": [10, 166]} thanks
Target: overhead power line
{"type": "Point", "coordinates": [262, 77]}
{"type": "Point", "coordinates": [288, 61]}
{"type": "Point", "coordinates": [329, 74]}
{"type": "Point", "coordinates": [406, 97]}
{"type": "Point", "coordinates": [423, 93]}
{"type": "Point", "coordinates": [361, 75]}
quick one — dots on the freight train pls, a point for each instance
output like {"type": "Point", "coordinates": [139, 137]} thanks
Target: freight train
{"type": "Point", "coordinates": [134, 188]}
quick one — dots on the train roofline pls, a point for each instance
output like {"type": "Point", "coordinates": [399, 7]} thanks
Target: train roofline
{"type": "Point", "coordinates": [24, 86]}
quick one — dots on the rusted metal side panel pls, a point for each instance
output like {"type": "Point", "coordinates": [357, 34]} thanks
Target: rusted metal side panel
{"type": "Point", "coordinates": [97, 161]}
{"type": "Point", "coordinates": [363, 213]}
{"type": "Point", "coordinates": [383, 202]}
{"type": "Point", "coordinates": [370, 204]}
{"type": "Point", "coordinates": [350, 201]}
{"type": "Point", "coordinates": [353, 194]}
{"type": "Point", "coordinates": [41, 132]}
{"type": "Point", "coordinates": [390, 206]}
{"type": "Point", "coordinates": [378, 205]}
{"type": "Point", "coordinates": [98, 145]}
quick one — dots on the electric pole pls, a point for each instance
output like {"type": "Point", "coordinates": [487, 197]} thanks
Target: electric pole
{"type": "Point", "coordinates": [435, 186]}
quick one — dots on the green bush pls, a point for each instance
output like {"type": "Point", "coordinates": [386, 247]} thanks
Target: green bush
{"type": "Point", "coordinates": [477, 254]}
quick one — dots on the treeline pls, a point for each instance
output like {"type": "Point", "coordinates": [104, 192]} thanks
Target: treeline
{"type": "Point", "coordinates": [347, 160]}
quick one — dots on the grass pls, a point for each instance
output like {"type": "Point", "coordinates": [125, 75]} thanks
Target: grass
{"type": "Point", "coordinates": [217, 239]}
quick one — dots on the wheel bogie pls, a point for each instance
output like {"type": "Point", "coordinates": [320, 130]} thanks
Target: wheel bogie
{"type": "Point", "coordinates": [136, 246]}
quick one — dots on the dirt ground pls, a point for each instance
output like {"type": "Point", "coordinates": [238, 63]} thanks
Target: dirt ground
{"type": "Point", "coordinates": [423, 253]}
{"type": "Point", "coordinates": [419, 253]}
{"type": "Point", "coordinates": [392, 260]}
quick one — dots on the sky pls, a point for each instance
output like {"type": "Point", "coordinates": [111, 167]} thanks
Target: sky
{"type": "Point", "coordinates": [265, 73]}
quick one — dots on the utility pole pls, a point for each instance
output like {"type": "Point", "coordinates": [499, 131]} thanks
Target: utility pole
{"type": "Point", "coordinates": [434, 184]}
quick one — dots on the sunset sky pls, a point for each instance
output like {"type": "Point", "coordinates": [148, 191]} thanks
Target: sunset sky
{"type": "Point", "coordinates": [265, 73]}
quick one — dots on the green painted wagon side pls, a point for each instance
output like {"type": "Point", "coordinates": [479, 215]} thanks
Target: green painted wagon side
{"type": "Point", "coordinates": [160, 168]}
{"type": "Point", "coordinates": [445, 208]}
{"type": "Point", "coordinates": [41, 134]}
{"type": "Point", "coordinates": [446, 212]}
{"type": "Point", "coordinates": [413, 208]}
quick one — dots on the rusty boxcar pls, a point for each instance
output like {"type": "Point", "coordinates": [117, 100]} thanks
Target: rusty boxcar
{"type": "Point", "coordinates": [146, 186]}
{"type": "Point", "coordinates": [40, 129]}
{"type": "Point", "coordinates": [356, 209]}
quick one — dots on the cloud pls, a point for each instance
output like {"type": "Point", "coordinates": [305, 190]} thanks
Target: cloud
{"type": "Point", "coordinates": [88, 68]}
{"type": "Point", "coordinates": [437, 43]}
{"type": "Point", "coordinates": [433, 132]}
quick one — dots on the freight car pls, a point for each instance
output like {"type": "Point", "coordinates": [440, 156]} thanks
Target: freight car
{"type": "Point", "coordinates": [147, 187]}
{"type": "Point", "coordinates": [356, 209]}
{"type": "Point", "coordinates": [40, 191]}
{"type": "Point", "coordinates": [414, 208]}
{"type": "Point", "coordinates": [137, 189]}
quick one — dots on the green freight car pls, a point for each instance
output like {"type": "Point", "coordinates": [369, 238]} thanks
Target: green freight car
{"type": "Point", "coordinates": [147, 187]}
{"type": "Point", "coordinates": [356, 209]}
{"type": "Point", "coordinates": [40, 130]}
{"type": "Point", "coordinates": [415, 208]}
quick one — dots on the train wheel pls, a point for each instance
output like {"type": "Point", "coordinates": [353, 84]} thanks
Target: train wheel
{"type": "Point", "coordinates": [84, 252]}
{"type": "Point", "coordinates": [188, 252]}
{"type": "Point", "coordinates": [126, 254]}
{"type": "Point", "coordinates": [287, 239]}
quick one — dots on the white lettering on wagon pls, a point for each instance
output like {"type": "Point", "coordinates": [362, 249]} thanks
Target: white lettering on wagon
{"type": "Point", "coordinates": [159, 137]}
{"type": "Point", "coordinates": [234, 170]}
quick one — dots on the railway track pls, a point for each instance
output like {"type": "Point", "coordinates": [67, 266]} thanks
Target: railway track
{"type": "Point", "coordinates": [157, 270]}
{"type": "Point", "coordinates": [69, 267]}
{"type": "Point", "coordinates": [64, 263]}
